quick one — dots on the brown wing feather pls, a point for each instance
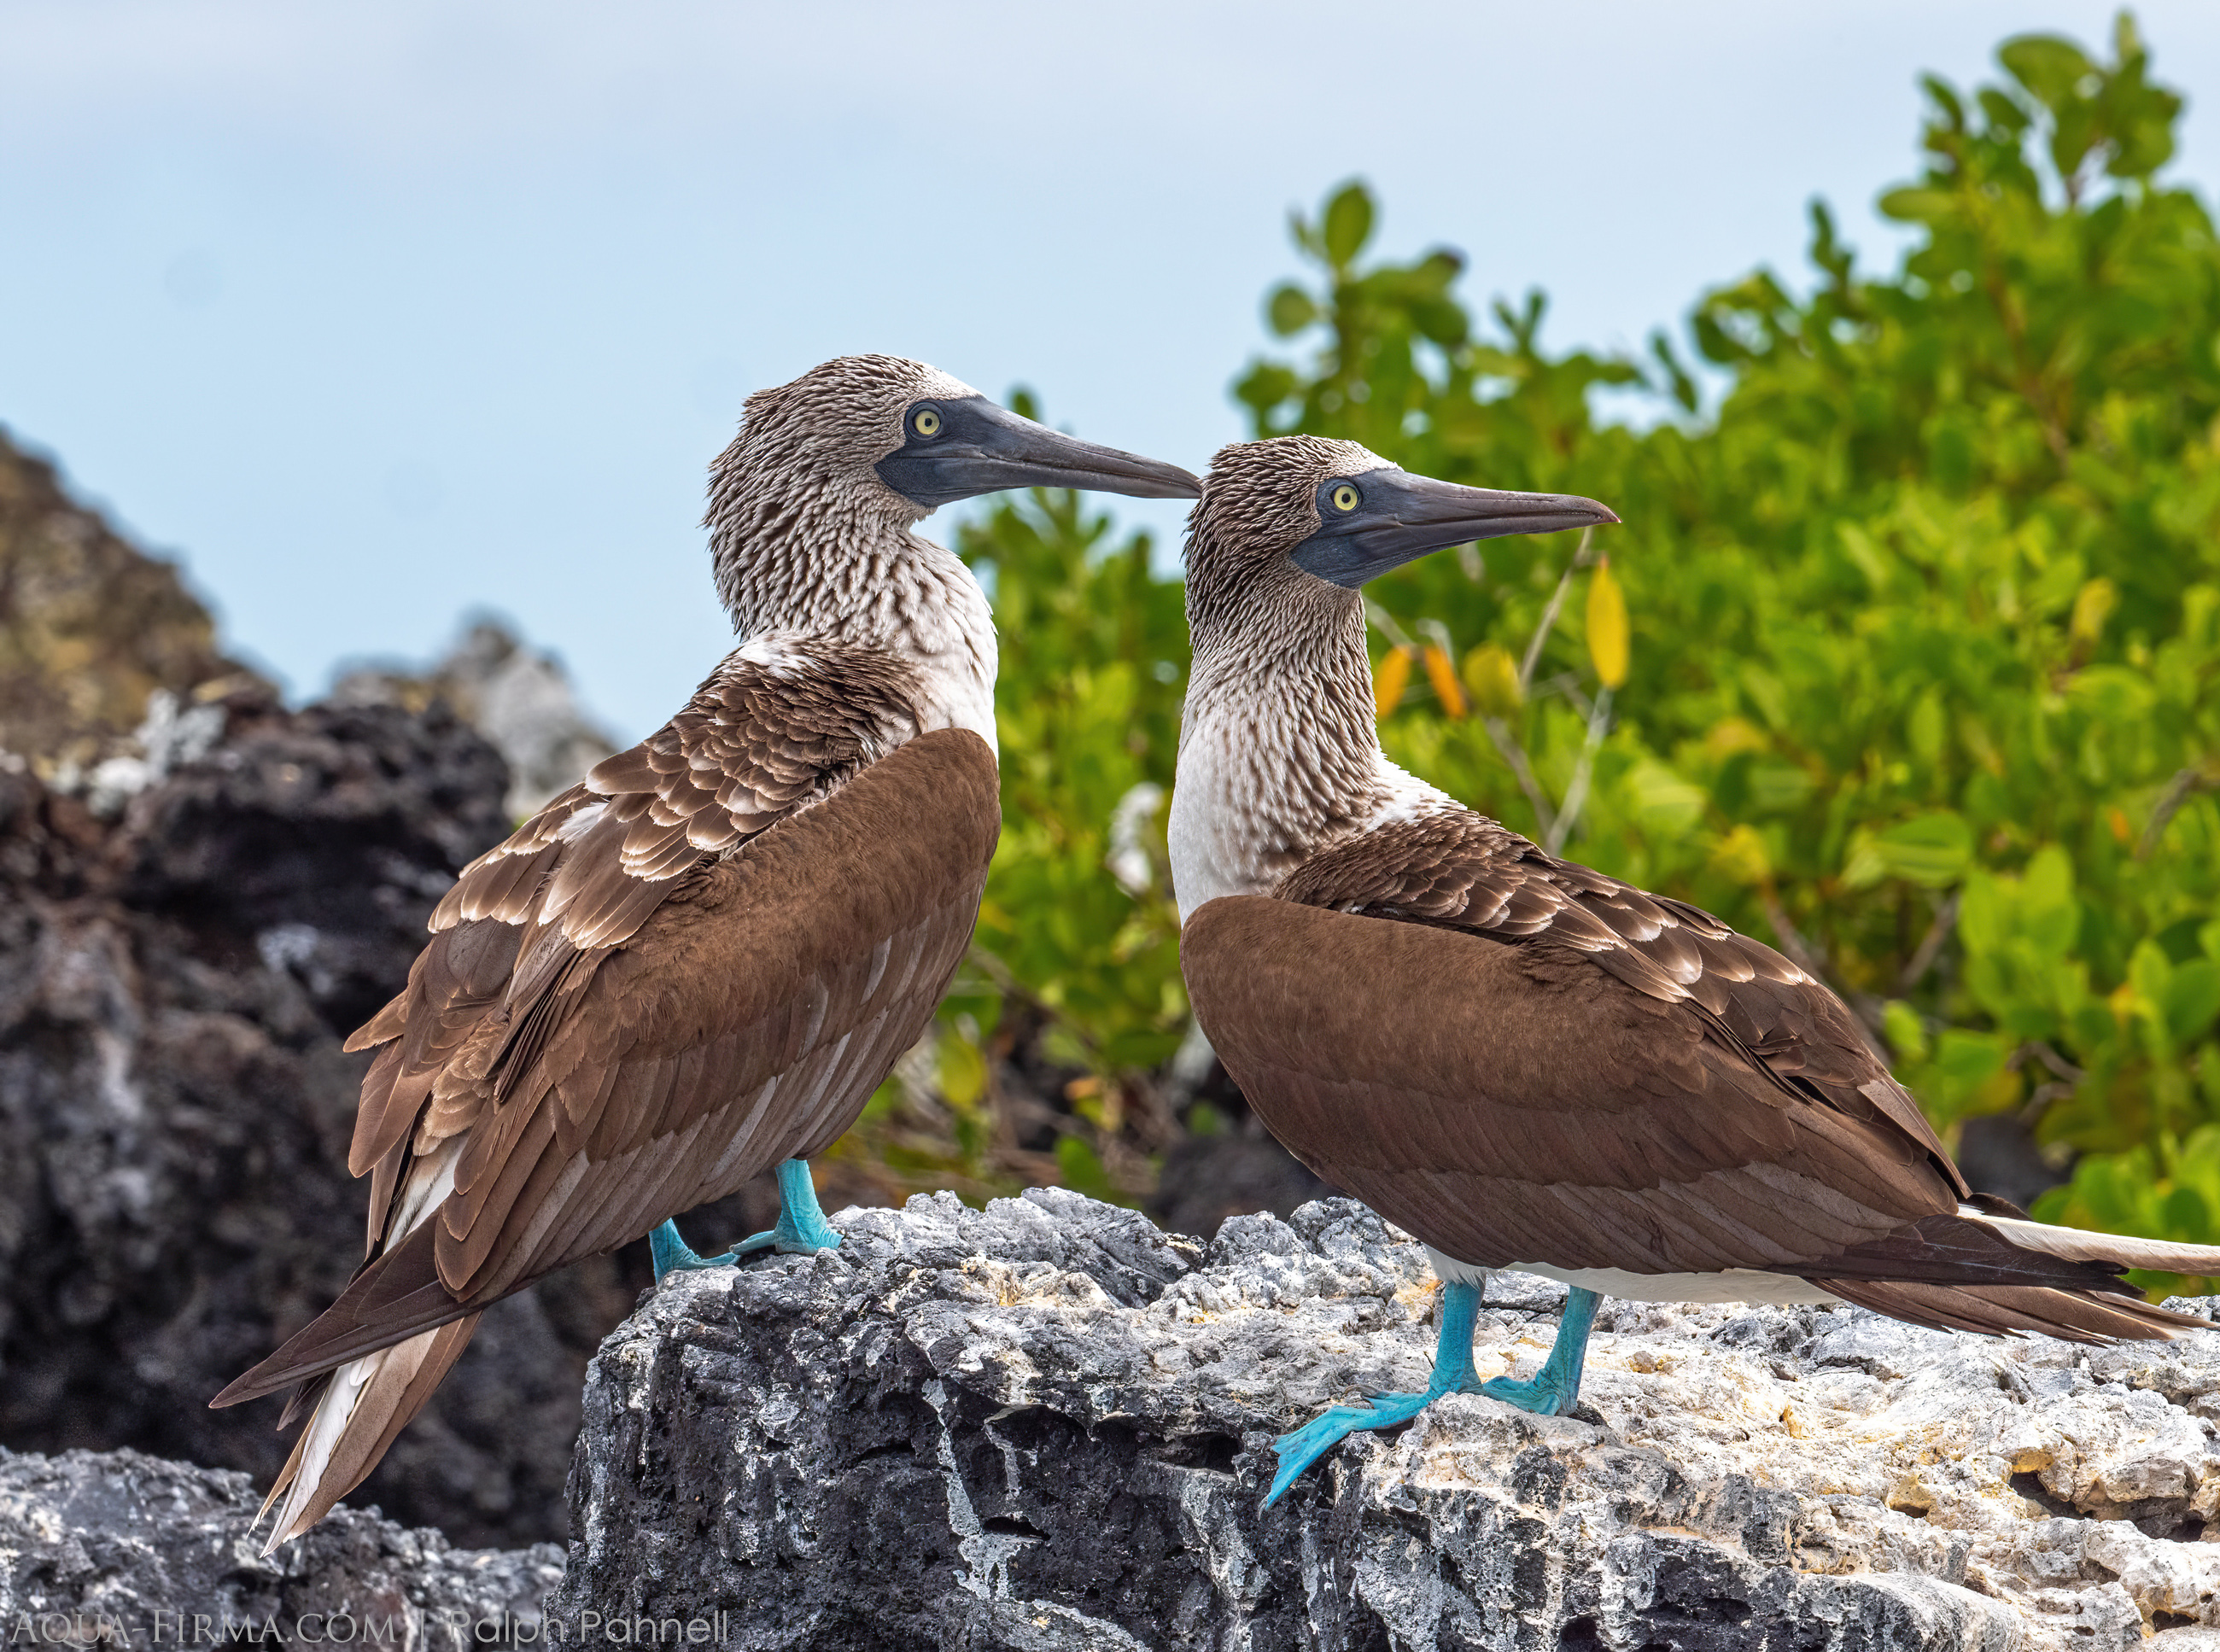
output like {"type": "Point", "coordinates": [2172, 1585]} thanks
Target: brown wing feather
{"type": "Point", "coordinates": [582, 875]}
{"type": "Point", "coordinates": [746, 1020]}
{"type": "Point", "coordinates": [1518, 1103]}
{"type": "Point", "coordinates": [1459, 869]}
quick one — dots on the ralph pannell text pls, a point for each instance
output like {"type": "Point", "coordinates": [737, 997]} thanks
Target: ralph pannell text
{"type": "Point", "coordinates": [410, 1631]}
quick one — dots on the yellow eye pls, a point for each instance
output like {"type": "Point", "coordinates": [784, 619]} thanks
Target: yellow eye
{"type": "Point", "coordinates": [1345, 497]}
{"type": "Point", "coordinates": [926, 422]}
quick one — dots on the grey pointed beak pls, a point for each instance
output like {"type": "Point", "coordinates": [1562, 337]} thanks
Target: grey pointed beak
{"type": "Point", "coordinates": [1400, 517]}
{"type": "Point", "coordinates": [982, 448]}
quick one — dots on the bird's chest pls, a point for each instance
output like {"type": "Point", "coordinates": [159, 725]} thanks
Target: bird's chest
{"type": "Point", "coordinates": [1242, 816]}
{"type": "Point", "coordinates": [953, 693]}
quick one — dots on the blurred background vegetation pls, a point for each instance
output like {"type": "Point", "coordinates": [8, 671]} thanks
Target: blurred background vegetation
{"type": "Point", "coordinates": [1906, 660]}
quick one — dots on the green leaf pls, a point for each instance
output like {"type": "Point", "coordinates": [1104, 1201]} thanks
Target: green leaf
{"type": "Point", "coordinates": [1290, 309]}
{"type": "Point", "coordinates": [1348, 224]}
{"type": "Point", "coordinates": [2048, 66]}
{"type": "Point", "coordinates": [1901, 1026]}
{"type": "Point", "coordinates": [1934, 849]}
{"type": "Point", "coordinates": [2191, 999]}
{"type": "Point", "coordinates": [961, 1070]}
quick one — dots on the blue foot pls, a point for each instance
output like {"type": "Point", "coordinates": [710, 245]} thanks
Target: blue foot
{"type": "Point", "coordinates": [1552, 1392]}
{"type": "Point", "coordinates": [673, 1254]}
{"type": "Point", "coordinates": [1453, 1373]}
{"type": "Point", "coordinates": [1299, 1451]}
{"type": "Point", "coordinates": [802, 1230]}
{"type": "Point", "coordinates": [1555, 1388]}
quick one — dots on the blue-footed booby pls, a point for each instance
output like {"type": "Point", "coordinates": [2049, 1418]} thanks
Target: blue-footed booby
{"type": "Point", "coordinates": [1524, 1062]}
{"type": "Point", "coordinates": [697, 963]}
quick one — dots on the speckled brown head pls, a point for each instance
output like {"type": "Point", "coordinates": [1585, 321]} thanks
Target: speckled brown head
{"type": "Point", "coordinates": [828, 473]}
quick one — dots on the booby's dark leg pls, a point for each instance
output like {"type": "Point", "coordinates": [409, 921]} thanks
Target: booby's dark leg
{"type": "Point", "coordinates": [1453, 1374]}
{"type": "Point", "coordinates": [802, 1230]}
{"type": "Point", "coordinates": [1555, 1388]}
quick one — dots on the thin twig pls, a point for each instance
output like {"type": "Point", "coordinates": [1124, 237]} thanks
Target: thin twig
{"type": "Point", "coordinates": [1568, 683]}
{"type": "Point", "coordinates": [1931, 945]}
{"type": "Point", "coordinates": [1546, 817]}
{"type": "Point", "coordinates": [2169, 802]}
{"type": "Point", "coordinates": [1549, 613]}
{"type": "Point", "coordinates": [1577, 793]}
{"type": "Point", "coordinates": [1790, 937]}
{"type": "Point", "coordinates": [2037, 1049]}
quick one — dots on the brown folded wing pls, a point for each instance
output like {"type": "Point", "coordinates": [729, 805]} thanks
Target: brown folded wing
{"type": "Point", "coordinates": [1521, 1059]}
{"type": "Point", "coordinates": [669, 981]}
{"type": "Point", "coordinates": [1461, 871]}
{"type": "Point", "coordinates": [1514, 1103]}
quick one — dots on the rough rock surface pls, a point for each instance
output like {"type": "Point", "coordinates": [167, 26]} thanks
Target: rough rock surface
{"type": "Point", "coordinates": [124, 1550]}
{"type": "Point", "coordinates": [1047, 1425]}
{"type": "Point", "coordinates": [519, 698]}
{"type": "Point", "coordinates": [175, 1108]}
{"type": "Point", "coordinates": [90, 626]}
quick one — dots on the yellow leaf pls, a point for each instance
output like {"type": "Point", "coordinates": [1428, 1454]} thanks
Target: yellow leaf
{"type": "Point", "coordinates": [1443, 678]}
{"type": "Point", "coordinates": [962, 1071]}
{"type": "Point", "coordinates": [1492, 677]}
{"type": "Point", "coordinates": [1730, 735]}
{"type": "Point", "coordinates": [1741, 857]}
{"type": "Point", "coordinates": [2092, 605]}
{"type": "Point", "coordinates": [1607, 637]}
{"type": "Point", "coordinates": [1393, 678]}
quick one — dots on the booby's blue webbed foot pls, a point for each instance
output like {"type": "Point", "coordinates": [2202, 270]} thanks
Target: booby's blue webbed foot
{"type": "Point", "coordinates": [673, 1254]}
{"type": "Point", "coordinates": [802, 1230]}
{"type": "Point", "coordinates": [1551, 1392]}
{"type": "Point", "coordinates": [1306, 1445]}
{"type": "Point", "coordinates": [1555, 1389]}
{"type": "Point", "coordinates": [1453, 1374]}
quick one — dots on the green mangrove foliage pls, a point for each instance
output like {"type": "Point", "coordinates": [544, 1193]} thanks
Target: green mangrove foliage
{"type": "Point", "coordinates": [1905, 658]}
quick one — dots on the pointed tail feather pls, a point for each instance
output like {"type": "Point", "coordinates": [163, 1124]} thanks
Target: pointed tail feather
{"type": "Point", "coordinates": [2014, 1309]}
{"type": "Point", "coordinates": [2118, 1249]}
{"type": "Point", "coordinates": [363, 1406]}
{"type": "Point", "coordinates": [393, 1298]}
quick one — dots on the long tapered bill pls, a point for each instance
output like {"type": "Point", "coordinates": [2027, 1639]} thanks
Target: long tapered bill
{"type": "Point", "coordinates": [983, 448]}
{"type": "Point", "coordinates": [1401, 516]}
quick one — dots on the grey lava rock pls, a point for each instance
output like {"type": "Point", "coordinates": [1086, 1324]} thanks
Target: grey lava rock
{"type": "Point", "coordinates": [1045, 1425]}
{"type": "Point", "coordinates": [175, 982]}
{"type": "Point", "coordinates": [120, 1549]}
{"type": "Point", "coordinates": [519, 698]}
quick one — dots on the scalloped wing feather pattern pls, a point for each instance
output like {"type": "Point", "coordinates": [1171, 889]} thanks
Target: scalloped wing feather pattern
{"type": "Point", "coordinates": [1523, 1061]}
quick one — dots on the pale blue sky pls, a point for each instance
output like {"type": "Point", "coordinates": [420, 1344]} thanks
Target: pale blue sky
{"type": "Point", "coordinates": [377, 314]}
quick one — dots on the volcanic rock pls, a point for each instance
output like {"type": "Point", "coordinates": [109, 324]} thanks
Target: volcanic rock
{"type": "Point", "coordinates": [1047, 1425]}
{"type": "Point", "coordinates": [519, 698]}
{"type": "Point", "coordinates": [90, 626]}
{"type": "Point", "coordinates": [175, 1108]}
{"type": "Point", "coordinates": [117, 1549]}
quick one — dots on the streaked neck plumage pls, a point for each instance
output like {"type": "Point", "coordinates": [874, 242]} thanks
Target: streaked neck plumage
{"type": "Point", "coordinates": [1279, 755]}
{"type": "Point", "coordinates": [808, 561]}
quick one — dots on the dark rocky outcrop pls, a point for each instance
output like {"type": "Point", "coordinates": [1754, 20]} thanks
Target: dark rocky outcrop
{"type": "Point", "coordinates": [517, 697]}
{"type": "Point", "coordinates": [175, 982]}
{"type": "Point", "coordinates": [119, 1549]}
